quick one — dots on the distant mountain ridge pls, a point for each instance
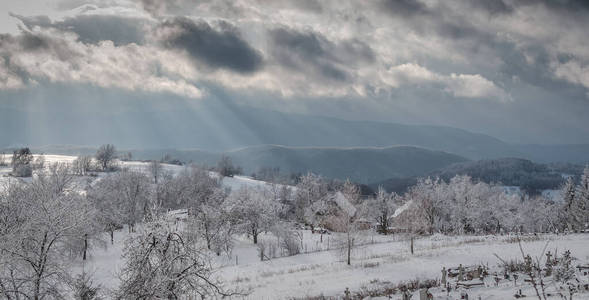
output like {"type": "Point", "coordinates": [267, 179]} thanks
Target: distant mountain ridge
{"type": "Point", "coordinates": [362, 165]}
{"type": "Point", "coordinates": [359, 164]}
{"type": "Point", "coordinates": [218, 128]}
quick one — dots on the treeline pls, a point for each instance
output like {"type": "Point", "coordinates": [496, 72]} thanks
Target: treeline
{"type": "Point", "coordinates": [530, 177]}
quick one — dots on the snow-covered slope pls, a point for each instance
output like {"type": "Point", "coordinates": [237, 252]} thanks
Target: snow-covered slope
{"type": "Point", "coordinates": [232, 182]}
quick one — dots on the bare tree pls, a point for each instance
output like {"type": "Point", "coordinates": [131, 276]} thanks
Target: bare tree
{"type": "Point", "coordinates": [155, 169]}
{"type": "Point", "coordinates": [39, 162]}
{"type": "Point", "coordinates": [82, 165]}
{"type": "Point", "coordinates": [226, 168]}
{"type": "Point", "coordinates": [105, 155]}
{"type": "Point", "coordinates": [344, 224]}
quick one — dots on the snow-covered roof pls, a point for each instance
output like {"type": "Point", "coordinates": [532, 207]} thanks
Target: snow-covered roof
{"type": "Point", "coordinates": [344, 204]}
{"type": "Point", "coordinates": [403, 208]}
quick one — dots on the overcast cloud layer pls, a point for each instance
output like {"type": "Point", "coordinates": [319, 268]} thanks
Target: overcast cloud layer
{"type": "Point", "coordinates": [518, 70]}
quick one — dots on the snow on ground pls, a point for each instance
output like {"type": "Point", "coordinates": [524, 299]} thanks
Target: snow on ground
{"type": "Point", "coordinates": [387, 260]}
{"type": "Point", "coordinates": [234, 183]}
{"type": "Point", "coordinates": [325, 273]}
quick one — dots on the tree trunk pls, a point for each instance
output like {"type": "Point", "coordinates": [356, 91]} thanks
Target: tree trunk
{"type": "Point", "coordinates": [112, 237]}
{"type": "Point", "coordinates": [349, 251]}
{"type": "Point", "coordinates": [85, 246]}
{"type": "Point", "coordinates": [412, 238]}
{"type": "Point", "coordinates": [255, 236]}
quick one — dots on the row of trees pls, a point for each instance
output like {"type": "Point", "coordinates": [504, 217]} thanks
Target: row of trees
{"type": "Point", "coordinates": [464, 206]}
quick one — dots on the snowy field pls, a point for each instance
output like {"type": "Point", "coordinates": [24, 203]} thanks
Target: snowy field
{"type": "Point", "coordinates": [382, 261]}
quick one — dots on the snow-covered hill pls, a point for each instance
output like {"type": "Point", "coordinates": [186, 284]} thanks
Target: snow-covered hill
{"type": "Point", "coordinates": [234, 182]}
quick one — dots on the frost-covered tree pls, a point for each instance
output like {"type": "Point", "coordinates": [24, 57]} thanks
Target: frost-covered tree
{"type": "Point", "coordinates": [3, 160]}
{"type": "Point", "coordinates": [110, 208]}
{"type": "Point", "coordinates": [381, 209]}
{"type": "Point", "coordinates": [211, 215]}
{"type": "Point", "coordinates": [310, 189]}
{"type": "Point", "coordinates": [155, 169]}
{"type": "Point", "coordinates": [345, 220]}
{"type": "Point", "coordinates": [463, 206]}
{"type": "Point", "coordinates": [37, 223]}
{"type": "Point", "coordinates": [255, 211]}
{"type": "Point", "coordinates": [581, 210]}
{"type": "Point", "coordinates": [347, 240]}
{"type": "Point", "coordinates": [430, 197]}
{"type": "Point", "coordinates": [160, 263]}
{"type": "Point", "coordinates": [568, 195]}
{"type": "Point", "coordinates": [82, 165]}
{"type": "Point", "coordinates": [21, 162]}
{"type": "Point", "coordinates": [105, 155]}
{"type": "Point", "coordinates": [39, 162]}
{"type": "Point", "coordinates": [125, 197]}
{"type": "Point", "coordinates": [59, 178]}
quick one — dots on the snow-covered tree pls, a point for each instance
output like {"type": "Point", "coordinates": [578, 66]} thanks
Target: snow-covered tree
{"type": "Point", "coordinates": [344, 220]}
{"type": "Point", "coordinates": [3, 160]}
{"type": "Point", "coordinates": [21, 162]}
{"type": "Point", "coordinates": [581, 210]}
{"type": "Point", "coordinates": [39, 162]}
{"type": "Point", "coordinates": [36, 225]}
{"type": "Point", "coordinates": [568, 192]}
{"type": "Point", "coordinates": [255, 211]}
{"type": "Point", "coordinates": [430, 198]}
{"type": "Point", "coordinates": [82, 165]}
{"type": "Point", "coordinates": [381, 209]}
{"type": "Point", "coordinates": [310, 189]}
{"type": "Point", "coordinates": [160, 263]}
{"type": "Point", "coordinates": [155, 169]}
{"type": "Point", "coordinates": [128, 193]}
{"type": "Point", "coordinates": [105, 155]}
{"type": "Point", "coordinates": [59, 178]}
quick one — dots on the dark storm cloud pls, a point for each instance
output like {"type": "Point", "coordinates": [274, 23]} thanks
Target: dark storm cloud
{"type": "Point", "coordinates": [94, 28]}
{"type": "Point", "coordinates": [405, 8]}
{"type": "Point", "coordinates": [300, 50]}
{"type": "Point", "coordinates": [34, 42]}
{"type": "Point", "coordinates": [219, 47]}
{"type": "Point", "coordinates": [564, 5]}
{"type": "Point", "coordinates": [493, 7]}
{"type": "Point", "coordinates": [26, 42]}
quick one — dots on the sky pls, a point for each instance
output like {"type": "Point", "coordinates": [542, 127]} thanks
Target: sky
{"type": "Point", "coordinates": [514, 69]}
